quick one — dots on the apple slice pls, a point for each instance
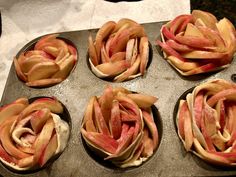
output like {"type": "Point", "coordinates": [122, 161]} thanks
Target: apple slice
{"type": "Point", "coordinates": [192, 30]}
{"type": "Point", "coordinates": [152, 128]}
{"type": "Point", "coordinates": [214, 36]}
{"type": "Point", "coordinates": [102, 34]}
{"type": "Point", "coordinates": [26, 162]}
{"type": "Point", "coordinates": [22, 101]}
{"type": "Point", "coordinates": [180, 118]}
{"type": "Point", "coordinates": [39, 118]}
{"type": "Point", "coordinates": [99, 119]}
{"type": "Point", "coordinates": [198, 108]}
{"type": "Point", "coordinates": [51, 103]}
{"type": "Point", "coordinates": [178, 47]}
{"type": "Point", "coordinates": [209, 144]}
{"type": "Point", "coordinates": [129, 49]}
{"type": "Point", "coordinates": [142, 100]}
{"type": "Point", "coordinates": [5, 156]}
{"type": "Point", "coordinates": [170, 51]}
{"type": "Point", "coordinates": [43, 139]}
{"type": "Point", "coordinates": [49, 150]}
{"type": "Point", "coordinates": [105, 102]}
{"type": "Point", "coordinates": [201, 69]}
{"type": "Point", "coordinates": [19, 72]}
{"type": "Point", "coordinates": [136, 31]}
{"type": "Point", "coordinates": [42, 70]}
{"type": "Point", "coordinates": [147, 144]}
{"type": "Point", "coordinates": [227, 93]}
{"type": "Point", "coordinates": [165, 31]}
{"type": "Point", "coordinates": [44, 39]}
{"type": "Point", "coordinates": [129, 72]}
{"type": "Point", "coordinates": [183, 26]}
{"type": "Point", "coordinates": [124, 23]}
{"type": "Point", "coordinates": [184, 125]}
{"type": "Point", "coordinates": [125, 140]}
{"type": "Point", "coordinates": [89, 117]}
{"type": "Point", "coordinates": [31, 53]}
{"type": "Point", "coordinates": [193, 41]}
{"type": "Point", "coordinates": [118, 43]}
{"type": "Point", "coordinates": [200, 54]}
{"type": "Point", "coordinates": [65, 68]}
{"type": "Point", "coordinates": [7, 143]}
{"type": "Point", "coordinates": [29, 62]}
{"type": "Point", "coordinates": [92, 52]}
{"type": "Point", "coordinates": [118, 56]}
{"type": "Point", "coordinates": [208, 19]}
{"type": "Point", "coordinates": [144, 54]}
{"type": "Point", "coordinates": [73, 51]}
{"type": "Point", "coordinates": [175, 24]}
{"type": "Point", "coordinates": [104, 55]}
{"type": "Point", "coordinates": [11, 110]}
{"type": "Point", "coordinates": [104, 142]}
{"type": "Point", "coordinates": [113, 69]}
{"type": "Point", "coordinates": [52, 50]}
{"type": "Point", "coordinates": [183, 66]}
{"type": "Point", "coordinates": [115, 121]}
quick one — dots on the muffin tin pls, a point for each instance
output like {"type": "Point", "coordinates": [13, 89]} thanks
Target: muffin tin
{"type": "Point", "coordinates": [161, 81]}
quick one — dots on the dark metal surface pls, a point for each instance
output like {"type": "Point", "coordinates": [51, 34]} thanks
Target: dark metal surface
{"type": "Point", "coordinates": [161, 81]}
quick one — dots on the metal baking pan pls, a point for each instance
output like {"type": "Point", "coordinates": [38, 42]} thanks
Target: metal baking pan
{"type": "Point", "coordinates": [161, 80]}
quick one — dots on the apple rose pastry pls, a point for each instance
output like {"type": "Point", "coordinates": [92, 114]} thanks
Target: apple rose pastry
{"type": "Point", "coordinates": [118, 126]}
{"type": "Point", "coordinates": [49, 63]}
{"type": "Point", "coordinates": [206, 122]}
{"type": "Point", "coordinates": [31, 134]}
{"type": "Point", "coordinates": [120, 51]}
{"type": "Point", "coordinates": [198, 43]}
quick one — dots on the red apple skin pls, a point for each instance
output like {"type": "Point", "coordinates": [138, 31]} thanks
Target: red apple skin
{"type": "Point", "coordinates": [51, 103]}
{"type": "Point", "coordinates": [5, 156]}
{"type": "Point", "coordinates": [225, 93]}
{"type": "Point", "coordinates": [99, 119]}
{"type": "Point", "coordinates": [170, 51]}
{"type": "Point", "coordinates": [198, 106]}
{"type": "Point", "coordinates": [176, 23]}
{"type": "Point", "coordinates": [73, 51]}
{"type": "Point", "coordinates": [7, 143]}
{"type": "Point", "coordinates": [105, 142]}
{"type": "Point", "coordinates": [43, 139]}
{"type": "Point", "coordinates": [167, 33]}
{"type": "Point", "coordinates": [39, 118]}
{"type": "Point", "coordinates": [10, 110]}
{"type": "Point", "coordinates": [49, 150]}
{"type": "Point", "coordinates": [115, 121]}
